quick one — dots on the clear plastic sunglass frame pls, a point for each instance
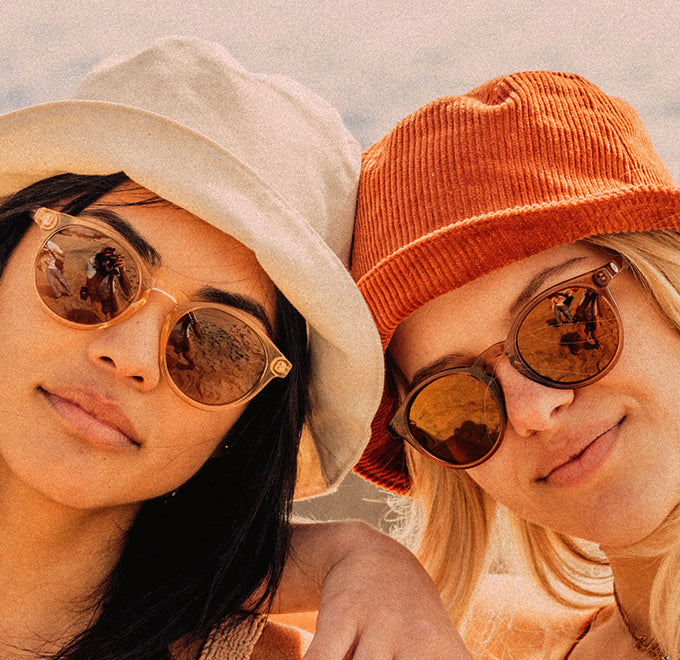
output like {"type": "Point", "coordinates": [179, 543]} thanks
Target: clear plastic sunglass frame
{"type": "Point", "coordinates": [276, 365]}
{"type": "Point", "coordinates": [598, 279]}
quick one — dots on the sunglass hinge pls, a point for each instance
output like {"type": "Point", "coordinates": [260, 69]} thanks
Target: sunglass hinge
{"type": "Point", "coordinates": [45, 218]}
{"type": "Point", "coordinates": [280, 367]}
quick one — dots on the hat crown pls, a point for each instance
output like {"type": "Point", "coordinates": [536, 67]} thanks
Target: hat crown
{"type": "Point", "coordinates": [274, 126]}
{"type": "Point", "coordinates": [517, 140]}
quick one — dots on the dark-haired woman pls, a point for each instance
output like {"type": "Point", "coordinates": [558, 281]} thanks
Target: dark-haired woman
{"type": "Point", "coordinates": [149, 443]}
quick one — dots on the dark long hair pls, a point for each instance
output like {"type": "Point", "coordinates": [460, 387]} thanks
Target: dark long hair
{"type": "Point", "coordinates": [215, 550]}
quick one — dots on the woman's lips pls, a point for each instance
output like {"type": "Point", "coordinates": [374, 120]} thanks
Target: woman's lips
{"type": "Point", "coordinates": [91, 417]}
{"type": "Point", "coordinates": [579, 466]}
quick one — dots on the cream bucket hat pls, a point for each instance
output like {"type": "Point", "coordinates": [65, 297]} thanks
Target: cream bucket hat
{"type": "Point", "coordinates": [258, 156]}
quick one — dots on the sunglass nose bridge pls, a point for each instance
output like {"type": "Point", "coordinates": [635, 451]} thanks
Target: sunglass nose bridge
{"type": "Point", "coordinates": [486, 360]}
{"type": "Point", "coordinates": [144, 298]}
{"type": "Point", "coordinates": [165, 293]}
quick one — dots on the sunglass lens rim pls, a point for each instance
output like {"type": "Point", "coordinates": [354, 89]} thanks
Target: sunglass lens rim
{"type": "Point", "coordinates": [491, 384]}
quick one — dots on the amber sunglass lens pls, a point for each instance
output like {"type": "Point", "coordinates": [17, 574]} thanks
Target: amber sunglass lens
{"type": "Point", "coordinates": [569, 336]}
{"type": "Point", "coordinates": [85, 276]}
{"type": "Point", "coordinates": [214, 357]}
{"type": "Point", "coordinates": [456, 419]}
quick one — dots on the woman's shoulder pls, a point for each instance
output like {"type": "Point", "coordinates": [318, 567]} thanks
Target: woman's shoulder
{"type": "Point", "coordinates": [511, 618]}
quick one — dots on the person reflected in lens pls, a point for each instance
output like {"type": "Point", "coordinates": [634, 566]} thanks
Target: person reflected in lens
{"type": "Point", "coordinates": [588, 314]}
{"type": "Point", "coordinates": [104, 274]}
{"type": "Point", "coordinates": [561, 302]}
{"type": "Point", "coordinates": [51, 262]}
{"type": "Point", "coordinates": [183, 339]}
{"type": "Point", "coordinates": [520, 244]}
{"type": "Point", "coordinates": [468, 440]}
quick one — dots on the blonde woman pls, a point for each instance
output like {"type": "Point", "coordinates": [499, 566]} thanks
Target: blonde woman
{"type": "Point", "coordinates": [476, 214]}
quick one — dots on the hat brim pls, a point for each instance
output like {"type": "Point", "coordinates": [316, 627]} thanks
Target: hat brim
{"type": "Point", "coordinates": [417, 273]}
{"type": "Point", "coordinates": [195, 173]}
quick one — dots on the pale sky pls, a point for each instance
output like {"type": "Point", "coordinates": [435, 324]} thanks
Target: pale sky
{"type": "Point", "coordinates": [376, 61]}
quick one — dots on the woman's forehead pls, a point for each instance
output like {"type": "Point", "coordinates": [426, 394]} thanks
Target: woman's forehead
{"type": "Point", "coordinates": [492, 299]}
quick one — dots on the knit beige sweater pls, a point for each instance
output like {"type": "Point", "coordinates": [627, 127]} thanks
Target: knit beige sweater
{"type": "Point", "coordinates": [257, 639]}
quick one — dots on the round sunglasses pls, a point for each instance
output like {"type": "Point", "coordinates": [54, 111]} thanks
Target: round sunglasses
{"type": "Point", "coordinates": [566, 337]}
{"type": "Point", "coordinates": [89, 276]}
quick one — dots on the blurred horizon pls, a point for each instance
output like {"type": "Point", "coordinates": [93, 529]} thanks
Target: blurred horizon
{"type": "Point", "coordinates": [376, 62]}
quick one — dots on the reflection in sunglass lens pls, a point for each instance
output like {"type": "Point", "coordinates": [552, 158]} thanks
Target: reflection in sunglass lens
{"type": "Point", "coordinates": [90, 278]}
{"type": "Point", "coordinates": [456, 419]}
{"type": "Point", "coordinates": [214, 357]}
{"type": "Point", "coordinates": [569, 336]}
{"type": "Point", "coordinates": [85, 276]}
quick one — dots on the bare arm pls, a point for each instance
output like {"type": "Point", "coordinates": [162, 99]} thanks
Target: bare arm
{"type": "Point", "coordinates": [375, 600]}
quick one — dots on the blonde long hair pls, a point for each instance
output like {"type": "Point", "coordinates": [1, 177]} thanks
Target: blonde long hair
{"type": "Point", "coordinates": [454, 521]}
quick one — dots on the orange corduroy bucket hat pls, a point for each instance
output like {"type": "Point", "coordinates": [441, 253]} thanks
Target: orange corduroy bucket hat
{"type": "Point", "coordinates": [472, 183]}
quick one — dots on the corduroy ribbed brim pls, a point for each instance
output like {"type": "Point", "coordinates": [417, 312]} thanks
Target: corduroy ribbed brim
{"type": "Point", "coordinates": [469, 184]}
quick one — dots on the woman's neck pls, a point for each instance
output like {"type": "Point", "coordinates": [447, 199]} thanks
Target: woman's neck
{"type": "Point", "coordinates": [609, 636]}
{"type": "Point", "coordinates": [633, 580]}
{"type": "Point", "coordinates": [53, 562]}
{"type": "Point", "coordinates": [615, 629]}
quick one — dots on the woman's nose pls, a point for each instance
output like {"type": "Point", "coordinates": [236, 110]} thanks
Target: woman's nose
{"type": "Point", "coordinates": [130, 349]}
{"type": "Point", "coordinates": [530, 406]}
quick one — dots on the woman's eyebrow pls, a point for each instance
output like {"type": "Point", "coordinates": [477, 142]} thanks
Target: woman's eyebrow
{"type": "Point", "coordinates": [537, 281]}
{"type": "Point", "coordinates": [448, 361]}
{"type": "Point", "coordinates": [153, 258]}
{"type": "Point", "coordinates": [123, 227]}
{"type": "Point", "coordinates": [244, 303]}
